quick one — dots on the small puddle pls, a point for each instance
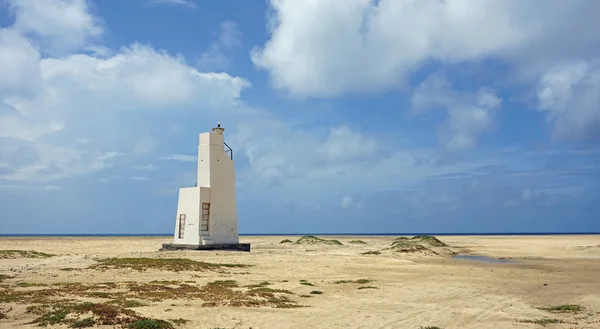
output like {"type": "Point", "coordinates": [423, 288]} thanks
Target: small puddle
{"type": "Point", "coordinates": [484, 259]}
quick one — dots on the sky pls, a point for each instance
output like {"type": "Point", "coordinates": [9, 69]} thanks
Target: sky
{"type": "Point", "coordinates": [345, 116]}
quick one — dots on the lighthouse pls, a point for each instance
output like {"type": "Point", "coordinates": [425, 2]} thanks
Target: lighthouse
{"type": "Point", "coordinates": [206, 217]}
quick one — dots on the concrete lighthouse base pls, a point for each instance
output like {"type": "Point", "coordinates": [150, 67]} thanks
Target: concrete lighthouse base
{"type": "Point", "coordinates": [222, 246]}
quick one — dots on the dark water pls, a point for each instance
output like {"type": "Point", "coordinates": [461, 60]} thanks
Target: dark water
{"type": "Point", "coordinates": [484, 259]}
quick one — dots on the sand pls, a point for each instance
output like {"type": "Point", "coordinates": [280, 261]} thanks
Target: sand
{"type": "Point", "coordinates": [412, 289]}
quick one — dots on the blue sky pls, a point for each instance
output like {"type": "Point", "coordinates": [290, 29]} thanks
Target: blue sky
{"type": "Point", "coordinates": [353, 116]}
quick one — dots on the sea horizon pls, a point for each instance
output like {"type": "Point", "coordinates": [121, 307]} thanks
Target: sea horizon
{"type": "Point", "coordinates": [303, 234]}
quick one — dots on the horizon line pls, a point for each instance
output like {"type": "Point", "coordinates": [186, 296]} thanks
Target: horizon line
{"type": "Point", "coordinates": [302, 234]}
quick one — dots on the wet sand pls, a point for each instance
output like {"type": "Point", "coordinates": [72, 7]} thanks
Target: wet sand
{"type": "Point", "coordinates": [411, 289]}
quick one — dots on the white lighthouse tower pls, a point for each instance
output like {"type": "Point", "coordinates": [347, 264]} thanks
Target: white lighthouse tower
{"type": "Point", "coordinates": [207, 214]}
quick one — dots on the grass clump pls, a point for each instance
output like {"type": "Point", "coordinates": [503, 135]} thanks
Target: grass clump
{"type": "Point", "coordinates": [316, 292]}
{"type": "Point", "coordinates": [101, 314]}
{"type": "Point", "coordinates": [216, 295]}
{"type": "Point", "coordinates": [29, 284]}
{"type": "Point", "coordinates": [266, 290]}
{"type": "Point", "coordinates": [566, 308]}
{"type": "Point", "coordinates": [306, 283]}
{"type": "Point", "coordinates": [429, 327]}
{"type": "Point", "coordinates": [357, 242]}
{"type": "Point", "coordinates": [367, 287]}
{"type": "Point", "coordinates": [359, 281]}
{"type": "Point", "coordinates": [420, 239]}
{"type": "Point", "coordinates": [311, 239]}
{"type": "Point", "coordinates": [179, 321]}
{"type": "Point", "coordinates": [4, 277]}
{"type": "Point", "coordinates": [83, 323]}
{"type": "Point", "coordinates": [372, 253]}
{"type": "Point", "coordinates": [418, 243]}
{"type": "Point", "coordinates": [286, 241]}
{"type": "Point", "coordinates": [258, 285]}
{"type": "Point", "coordinates": [224, 283]}
{"type": "Point", "coordinates": [150, 324]}
{"type": "Point", "coordinates": [542, 322]}
{"type": "Point", "coordinates": [167, 264]}
{"type": "Point", "coordinates": [11, 254]}
{"type": "Point", "coordinates": [127, 303]}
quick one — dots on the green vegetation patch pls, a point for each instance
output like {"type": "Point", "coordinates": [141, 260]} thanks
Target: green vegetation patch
{"type": "Point", "coordinates": [419, 239]}
{"type": "Point", "coordinates": [83, 323]}
{"type": "Point", "coordinates": [419, 243]}
{"type": "Point", "coordinates": [542, 322]}
{"type": "Point", "coordinates": [265, 290]}
{"type": "Point", "coordinates": [306, 283]}
{"type": "Point", "coordinates": [224, 283]}
{"type": "Point", "coordinates": [127, 303]}
{"type": "Point", "coordinates": [4, 277]}
{"type": "Point", "coordinates": [286, 241]}
{"type": "Point", "coordinates": [316, 292]}
{"type": "Point", "coordinates": [57, 303]}
{"type": "Point", "coordinates": [429, 327]}
{"type": "Point", "coordinates": [216, 295]}
{"type": "Point", "coordinates": [311, 239]}
{"type": "Point", "coordinates": [258, 285]}
{"type": "Point", "coordinates": [367, 287]}
{"type": "Point", "coordinates": [567, 308]}
{"type": "Point", "coordinates": [179, 321]}
{"type": "Point", "coordinates": [357, 242]}
{"type": "Point", "coordinates": [102, 314]}
{"type": "Point", "coordinates": [165, 264]}
{"type": "Point", "coordinates": [372, 253]}
{"type": "Point", "coordinates": [359, 281]}
{"type": "Point", "coordinates": [150, 324]}
{"type": "Point", "coordinates": [29, 284]}
{"type": "Point", "coordinates": [11, 254]}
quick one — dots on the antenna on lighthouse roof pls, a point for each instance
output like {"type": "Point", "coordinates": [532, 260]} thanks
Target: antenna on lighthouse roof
{"type": "Point", "coordinates": [219, 130]}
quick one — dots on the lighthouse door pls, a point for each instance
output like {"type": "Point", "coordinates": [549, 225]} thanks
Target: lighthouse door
{"type": "Point", "coordinates": [205, 218]}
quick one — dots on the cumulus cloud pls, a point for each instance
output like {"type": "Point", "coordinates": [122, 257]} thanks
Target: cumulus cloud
{"type": "Point", "coordinates": [469, 114]}
{"type": "Point", "coordinates": [334, 47]}
{"type": "Point", "coordinates": [18, 63]}
{"type": "Point", "coordinates": [570, 95]}
{"type": "Point", "coordinates": [58, 25]}
{"type": "Point", "coordinates": [49, 103]}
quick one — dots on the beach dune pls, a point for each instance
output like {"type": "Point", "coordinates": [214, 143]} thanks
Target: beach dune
{"type": "Point", "coordinates": [362, 282]}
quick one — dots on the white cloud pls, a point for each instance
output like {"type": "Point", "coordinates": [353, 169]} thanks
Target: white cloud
{"type": "Point", "coordinates": [43, 162]}
{"type": "Point", "coordinates": [48, 104]}
{"type": "Point", "coordinates": [184, 3]}
{"type": "Point", "coordinates": [319, 164]}
{"type": "Point", "coordinates": [344, 144]}
{"type": "Point", "coordinates": [60, 25]}
{"type": "Point", "coordinates": [328, 48]}
{"type": "Point", "coordinates": [19, 64]}
{"type": "Point", "coordinates": [216, 57]}
{"type": "Point", "coordinates": [469, 114]}
{"type": "Point", "coordinates": [181, 157]}
{"type": "Point", "coordinates": [149, 167]}
{"type": "Point", "coordinates": [570, 95]}
{"type": "Point", "coordinates": [347, 201]}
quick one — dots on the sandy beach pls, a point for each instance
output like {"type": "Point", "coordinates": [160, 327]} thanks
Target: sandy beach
{"type": "Point", "coordinates": [364, 284]}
